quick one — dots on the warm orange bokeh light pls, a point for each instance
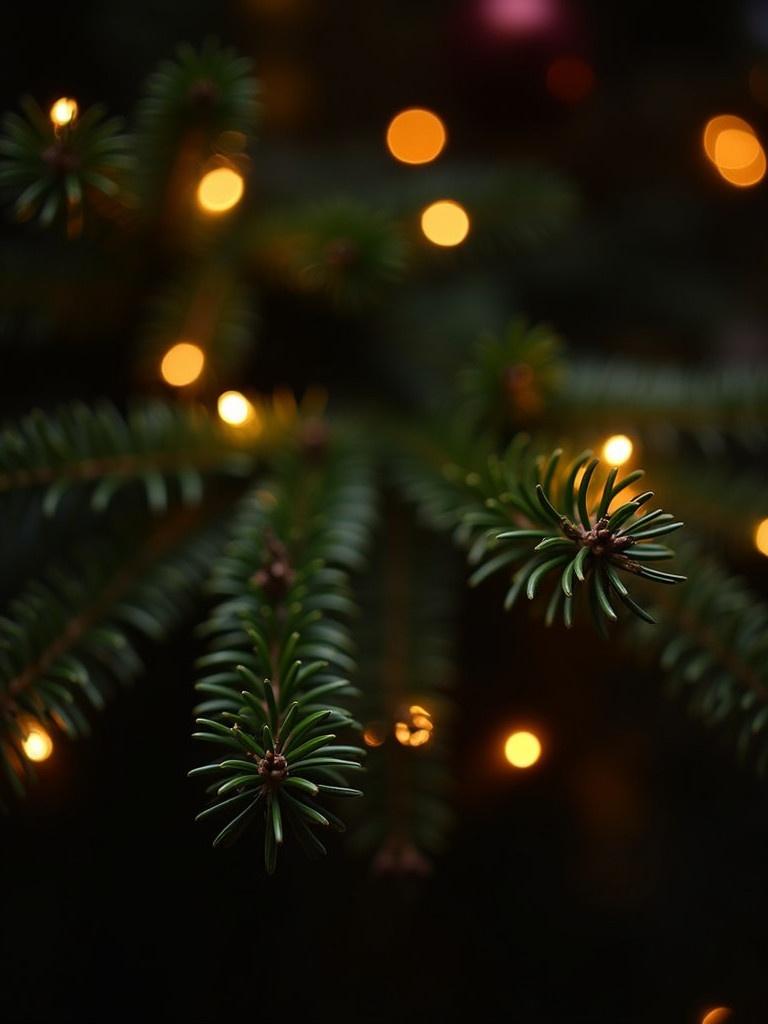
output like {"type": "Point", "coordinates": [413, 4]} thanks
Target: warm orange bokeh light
{"type": "Point", "coordinates": [761, 537]}
{"type": "Point", "coordinates": [744, 177]}
{"type": "Point", "coordinates": [37, 744]}
{"type": "Point", "coordinates": [63, 111]}
{"type": "Point", "coordinates": [721, 123]}
{"type": "Point", "coordinates": [182, 364]}
{"type": "Point", "coordinates": [522, 749]}
{"type": "Point", "coordinates": [735, 149]}
{"type": "Point", "coordinates": [219, 190]}
{"type": "Point", "coordinates": [374, 734]}
{"type": "Point", "coordinates": [445, 223]}
{"type": "Point", "coordinates": [570, 79]}
{"type": "Point", "coordinates": [732, 146]}
{"type": "Point", "coordinates": [717, 1016]}
{"type": "Point", "coordinates": [416, 136]}
{"type": "Point", "coordinates": [417, 730]}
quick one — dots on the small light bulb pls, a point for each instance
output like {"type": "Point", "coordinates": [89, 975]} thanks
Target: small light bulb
{"type": "Point", "coordinates": [617, 449]}
{"type": "Point", "coordinates": [445, 223]}
{"type": "Point", "coordinates": [415, 136]}
{"type": "Point", "coordinates": [37, 744]}
{"type": "Point", "coordinates": [182, 364]}
{"type": "Point", "coordinates": [718, 1015]}
{"type": "Point", "coordinates": [234, 408]}
{"type": "Point", "coordinates": [522, 749]}
{"type": "Point", "coordinates": [219, 190]}
{"type": "Point", "coordinates": [63, 111]}
{"type": "Point", "coordinates": [761, 537]}
{"type": "Point", "coordinates": [374, 734]}
{"type": "Point", "coordinates": [417, 729]}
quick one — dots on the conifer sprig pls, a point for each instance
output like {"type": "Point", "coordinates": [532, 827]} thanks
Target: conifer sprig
{"type": "Point", "coordinates": [155, 444]}
{"type": "Point", "coordinates": [520, 509]}
{"type": "Point", "coordinates": [69, 638]}
{"type": "Point", "coordinates": [274, 680]}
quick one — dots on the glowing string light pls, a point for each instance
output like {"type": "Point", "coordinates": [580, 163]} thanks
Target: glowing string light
{"type": "Point", "coordinates": [220, 190]}
{"type": "Point", "coordinates": [445, 223]}
{"type": "Point", "coordinates": [731, 144]}
{"type": "Point", "coordinates": [417, 729]}
{"type": "Point", "coordinates": [522, 749]}
{"type": "Point", "coordinates": [37, 744]}
{"type": "Point", "coordinates": [761, 537]}
{"type": "Point", "coordinates": [63, 111]}
{"type": "Point", "coordinates": [182, 364]}
{"type": "Point", "coordinates": [718, 1015]}
{"type": "Point", "coordinates": [415, 136]}
{"type": "Point", "coordinates": [234, 408]}
{"type": "Point", "coordinates": [617, 450]}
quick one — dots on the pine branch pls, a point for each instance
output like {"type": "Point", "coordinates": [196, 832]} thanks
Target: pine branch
{"type": "Point", "coordinates": [712, 640]}
{"type": "Point", "coordinates": [274, 679]}
{"type": "Point", "coordinates": [53, 171]}
{"type": "Point", "coordinates": [516, 508]}
{"type": "Point", "coordinates": [155, 444]}
{"type": "Point", "coordinates": [69, 638]}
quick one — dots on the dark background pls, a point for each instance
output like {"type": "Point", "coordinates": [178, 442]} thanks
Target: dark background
{"type": "Point", "coordinates": [621, 881]}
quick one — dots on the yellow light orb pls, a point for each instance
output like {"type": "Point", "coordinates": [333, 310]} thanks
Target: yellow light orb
{"type": "Point", "coordinates": [732, 146]}
{"type": "Point", "coordinates": [415, 136]}
{"type": "Point", "coordinates": [736, 149]}
{"type": "Point", "coordinates": [722, 123]}
{"type": "Point", "coordinates": [219, 190]}
{"type": "Point", "coordinates": [37, 744]}
{"type": "Point", "coordinates": [719, 1015]}
{"type": "Point", "coordinates": [445, 223]}
{"type": "Point", "coordinates": [522, 749]}
{"type": "Point", "coordinates": [745, 177]}
{"type": "Point", "coordinates": [63, 111]}
{"type": "Point", "coordinates": [761, 537]}
{"type": "Point", "coordinates": [182, 364]}
{"type": "Point", "coordinates": [234, 408]}
{"type": "Point", "coordinates": [416, 727]}
{"type": "Point", "coordinates": [617, 450]}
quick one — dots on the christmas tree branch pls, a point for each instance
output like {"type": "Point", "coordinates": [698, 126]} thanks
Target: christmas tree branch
{"type": "Point", "coordinates": [70, 636]}
{"type": "Point", "coordinates": [100, 447]}
{"type": "Point", "coordinates": [274, 678]}
{"type": "Point", "coordinates": [712, 640]}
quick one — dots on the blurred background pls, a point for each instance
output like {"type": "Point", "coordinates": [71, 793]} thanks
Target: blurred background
{"type": "Point", "coordinates": [620, 880]}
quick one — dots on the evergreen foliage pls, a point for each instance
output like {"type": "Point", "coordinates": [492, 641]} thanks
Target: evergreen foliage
{"type": "Point", "coordinates": [279, 683]}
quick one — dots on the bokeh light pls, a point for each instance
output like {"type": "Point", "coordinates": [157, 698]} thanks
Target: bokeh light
{"type": "Point", "coordinates": [182, 364]}
{"type": "Point", "coordinates": [37, 744]}
{"type": "Point", "coordinates": [416, 136]}
{"type": "Point", "coordinates": [617, 449]}
{"type": "Point", "coordinates": [761, 537]}
{"type": "Point", "coordinates": [220, 190]}
{"type": "Point", "coordinates": [415, 728]}
{"type": "Point", "coordinates": [522, 749]}
{"type": "Point", "coordinates": [519, 17]}
{"type": "Point", "coordinates": [732, 146]}
{"type": "Point", "coordinates": [63, 111]}
{"type": "Point", "coordinates": [234, 408]}
{"type": "Point", "coordinates": [570, 79]}
{"type": "Point", "coordinates": [718, 1015]}
{"type": "Point", "coordinates": [445, 223]}
{"type": "Point", "coordinates": [374, 734]}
